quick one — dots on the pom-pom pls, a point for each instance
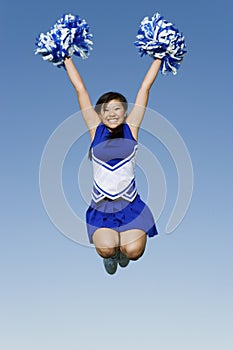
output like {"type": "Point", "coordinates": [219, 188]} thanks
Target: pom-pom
{"type": "Point", "coordinates": [69, 35]}
{"type": "Point", "coordinates": [160, 39]}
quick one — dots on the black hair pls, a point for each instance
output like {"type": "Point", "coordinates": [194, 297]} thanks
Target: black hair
{"type": "Point", "coordinates": [109, 96]}
{"type": "Point", "coordinates": [117, 132]}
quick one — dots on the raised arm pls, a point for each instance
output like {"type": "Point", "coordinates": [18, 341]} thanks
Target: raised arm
{"type": "Point", "coordinates": [135, 117]}
{"type": "Point", "coordinates": [90, 116]}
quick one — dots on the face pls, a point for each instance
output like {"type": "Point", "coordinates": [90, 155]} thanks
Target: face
{"type": "Point", "coordinates": [112, 114]}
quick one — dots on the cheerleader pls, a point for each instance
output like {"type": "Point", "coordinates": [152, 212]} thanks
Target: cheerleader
{"type": "Point", "coordinates": [118, 221]}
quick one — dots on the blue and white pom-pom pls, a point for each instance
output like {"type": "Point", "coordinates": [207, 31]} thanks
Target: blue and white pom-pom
{"type": "Point", "coordinates": [160, 39]}
{"type": "Point", "coordinates": [70, 35]}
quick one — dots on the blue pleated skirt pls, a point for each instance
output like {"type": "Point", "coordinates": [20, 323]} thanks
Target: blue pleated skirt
{"type": "Point", "coordinates": [120, 215]}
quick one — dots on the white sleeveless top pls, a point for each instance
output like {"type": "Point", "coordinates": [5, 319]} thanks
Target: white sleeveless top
{"type": "Point", "coordinates": [113, 165]}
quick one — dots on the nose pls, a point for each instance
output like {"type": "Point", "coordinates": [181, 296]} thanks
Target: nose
{"type": "Point", "coordinates": [111, 112]}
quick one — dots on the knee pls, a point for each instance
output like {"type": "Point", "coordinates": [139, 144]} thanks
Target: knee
{"type": "Point", "coordinates": [106, 252]}
{"type": "Point", "coordinates": [133, 251]}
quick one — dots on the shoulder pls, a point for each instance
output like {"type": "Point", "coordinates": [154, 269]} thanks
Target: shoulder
{"type": "Point", "coordinates": [132, 130]}
{"type": "Point", "coordinates": [98, 134]}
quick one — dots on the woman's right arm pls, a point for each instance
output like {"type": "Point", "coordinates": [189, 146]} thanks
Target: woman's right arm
{"type": "Point", "coordinates": [90, 116]}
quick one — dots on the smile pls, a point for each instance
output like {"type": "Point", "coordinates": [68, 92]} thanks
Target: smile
{"type": "Point", "coordinates": [113, 120]}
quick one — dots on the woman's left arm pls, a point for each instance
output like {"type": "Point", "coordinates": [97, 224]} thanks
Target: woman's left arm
{"type": "Point", "coordinates": [135, 117]}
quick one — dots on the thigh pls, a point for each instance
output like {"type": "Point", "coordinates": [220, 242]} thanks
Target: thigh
{"type": "Point", "coordinates": [133, 237]}
{"type": "Point", "coordinates": [106, 238]}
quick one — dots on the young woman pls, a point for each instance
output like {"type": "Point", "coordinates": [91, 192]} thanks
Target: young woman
{"type": "Point", "coordinates": [118, 221]}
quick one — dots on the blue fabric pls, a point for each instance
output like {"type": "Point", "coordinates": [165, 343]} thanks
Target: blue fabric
{"type": "Point", "coordinates": [112, 151]}
{"type": "Point", "coordinates": [102, 134]}
{"type": "Point", "coordinates": [120, 215]}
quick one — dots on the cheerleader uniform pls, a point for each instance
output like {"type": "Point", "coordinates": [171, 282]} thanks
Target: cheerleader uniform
{"type": "Point", "coordinates": [116, 203]}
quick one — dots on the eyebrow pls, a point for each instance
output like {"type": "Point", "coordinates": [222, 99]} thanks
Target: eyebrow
{"type": "Point", "coordinates": [117, 104]}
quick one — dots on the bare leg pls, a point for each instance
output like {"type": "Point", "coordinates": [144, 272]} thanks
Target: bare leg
{"type": "Point", "coordinates": [106, 242]}
{"type": "Point", "coordinates": [133, 243]}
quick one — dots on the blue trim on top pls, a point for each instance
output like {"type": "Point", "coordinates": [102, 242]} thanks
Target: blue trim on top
{"type": "Point", "coordinates": [116, 166]}
{"type": "Point", "coordinates": [102, 134]}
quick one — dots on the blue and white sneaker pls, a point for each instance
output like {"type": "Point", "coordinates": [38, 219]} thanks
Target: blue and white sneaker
{"type": "Point", "coordinates": [123, 260]}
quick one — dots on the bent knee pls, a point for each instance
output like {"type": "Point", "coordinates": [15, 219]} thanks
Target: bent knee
{"type": "Point", "coordinates": [106, 252]}
{"type": "Point", "coordinates": [133, 251]}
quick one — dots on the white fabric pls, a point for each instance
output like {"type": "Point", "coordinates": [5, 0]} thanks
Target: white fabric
{"type": "Point", "coordinates": [115, 181]}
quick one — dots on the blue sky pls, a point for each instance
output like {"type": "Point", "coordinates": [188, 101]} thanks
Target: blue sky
{"type": "Point", "coordinates": [54, 292]}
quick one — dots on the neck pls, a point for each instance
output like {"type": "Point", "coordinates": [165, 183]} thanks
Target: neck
{"type": "Point", "coordinates": [116, 132]}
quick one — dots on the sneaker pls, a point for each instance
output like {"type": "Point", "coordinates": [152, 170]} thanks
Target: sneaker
{"type": "Point", "coordinates": [123, 260]}
{"type": "Point", "coordinates": [110, 265]}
